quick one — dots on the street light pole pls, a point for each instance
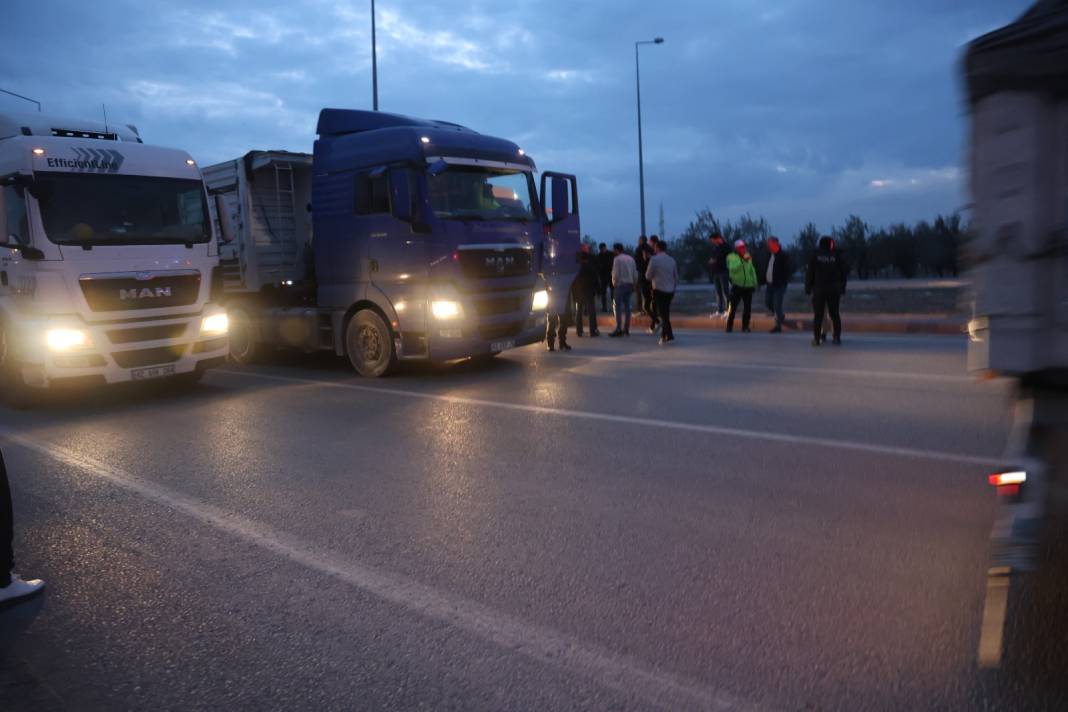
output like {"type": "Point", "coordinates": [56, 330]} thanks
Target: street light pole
{"type": "Point", "coordinates": [641, 156]}
{"type": "Point", "coordinates": [20, 96]}
{"type": "Point", "coordinates": [374, 58]}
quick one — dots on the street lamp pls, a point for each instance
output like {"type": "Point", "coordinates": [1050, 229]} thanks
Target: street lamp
{"type": "Point", "coordinates": [374, 58]}
{"type": "Point", "coordinates": [20, 96]}
{"type": "Point", "coordinates": [641, 158]}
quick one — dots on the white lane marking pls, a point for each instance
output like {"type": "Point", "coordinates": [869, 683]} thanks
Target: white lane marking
{"type": "Point", "coordinates": [934, 455]}
{"type": "Point", "coordinates": [871, 337]}
{"type": "Point", "coordinates": [642, 358]}
{"type": "Point", "coordinates": [541, 644]}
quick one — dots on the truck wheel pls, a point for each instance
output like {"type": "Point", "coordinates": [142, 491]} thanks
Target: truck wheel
{"type": "Point", "coordinates": [243, 347]}
{"type": "Point", "coordinates": [369, 344]}
{"type": "Point", "coordinates": [13, 390]}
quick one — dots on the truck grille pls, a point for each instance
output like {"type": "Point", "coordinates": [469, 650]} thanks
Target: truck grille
{"type": "Point", "coordinates": [147, 333]}
{"type": "Point", "coordinates": [497, 305]}
{"type": "Point", "coordinates": [488, 262]}
{"type": "Point", "coordinates": [148, 357]}
{"type": "Point", "coordinates": [106, 293]}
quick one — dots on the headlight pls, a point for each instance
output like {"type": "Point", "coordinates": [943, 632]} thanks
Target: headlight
{"type": "Point", "coordinates": [445, 310]}
{"type": "Point", "coordinates": [215, 325]}
{"type": "Point", "coordinates": [541, 301]}
{"type": "Point", "coordinates": [67, 339]}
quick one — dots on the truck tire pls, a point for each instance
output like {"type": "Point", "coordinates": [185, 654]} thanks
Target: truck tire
{"type": "Point", "coordinates": [13, 389]}
{"type": "Point", "coordinates": [369, 344]}
{"type": "Point", "coordinates": [244, 348]}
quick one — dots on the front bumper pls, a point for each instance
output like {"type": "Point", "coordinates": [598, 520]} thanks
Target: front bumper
{"type": "Point", "coordinates": [473, 342]}
{"type": "Point", "coordinates": [121, 350]}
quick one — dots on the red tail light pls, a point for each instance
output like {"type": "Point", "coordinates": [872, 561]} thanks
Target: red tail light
{"type": "Point", "coordinates": [1006, 479]}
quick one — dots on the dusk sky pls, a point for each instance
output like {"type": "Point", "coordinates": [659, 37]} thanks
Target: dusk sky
{"type": "Point", "coordinates": [796, 110]}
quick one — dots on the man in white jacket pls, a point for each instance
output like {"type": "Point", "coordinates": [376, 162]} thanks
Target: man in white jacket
{"type": "Point", "coordinates": [624, 281]}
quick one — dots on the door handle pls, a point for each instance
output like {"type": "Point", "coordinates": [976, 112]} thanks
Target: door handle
{"type": "Point", "coordinates": [374, 265]}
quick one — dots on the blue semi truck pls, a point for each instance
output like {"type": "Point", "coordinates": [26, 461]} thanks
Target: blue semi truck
{"type": "Point", "coordinates": [397, 239]}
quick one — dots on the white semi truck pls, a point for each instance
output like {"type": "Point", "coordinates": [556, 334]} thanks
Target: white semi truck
{"type": "Point", "coordinates": [108, 262]}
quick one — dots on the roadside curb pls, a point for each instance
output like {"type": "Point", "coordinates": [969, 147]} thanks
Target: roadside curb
{"type": "Point", "coordinates": [861, 323]}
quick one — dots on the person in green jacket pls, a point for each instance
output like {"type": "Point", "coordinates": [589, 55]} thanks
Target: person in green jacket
{"type": "Point", "coordinates": [743, 283]}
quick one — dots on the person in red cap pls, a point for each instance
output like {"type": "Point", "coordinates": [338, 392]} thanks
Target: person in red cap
{"type": "Point", "coordinates": [743, 283]}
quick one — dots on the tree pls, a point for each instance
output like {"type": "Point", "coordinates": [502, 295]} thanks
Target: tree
{"type": "Point", "coordinates": [852, 237]}
{"type": "Point", "coordinates": [691, 249]}
{"type": "Point", "coordinates": [804, 246]}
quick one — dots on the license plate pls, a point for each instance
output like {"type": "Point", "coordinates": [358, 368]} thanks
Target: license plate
{"type": "Point", "coordinates": [498, 346]}
{"type": "Point", "coordinates": [144, 374]}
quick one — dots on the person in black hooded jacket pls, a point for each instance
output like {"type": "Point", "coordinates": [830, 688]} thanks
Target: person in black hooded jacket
{"type": "Point", "coordinates": [825, 282]}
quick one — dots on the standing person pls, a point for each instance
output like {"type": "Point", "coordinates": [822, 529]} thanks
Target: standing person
{"type": "Point", "coordinates": [717, 267]}
{"type": "Point", "coordinates": [650, 306]}
{"type": "Point", "coordinates": [825, 282]}
{"type": "Point", "coordinates": [624, 278]}
{"type": "Point", "coordinates": [743, 284]}
{"type": "Point", "coordinates": [557, 320]}
{"type": "Point", "coordinates": [604, 274]}
{"type": "Point", "coordinates": [663, 273]}
{"type": "Point", "coordinates": [776, 277]}
{"type": "Point", "coordinates": [11, 585]}
{"type": "Point", "coordinates": [642, 254]}
{"type": "Point", "coordinates": [585, 289]}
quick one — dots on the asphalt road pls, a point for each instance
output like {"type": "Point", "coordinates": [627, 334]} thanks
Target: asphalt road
{"type": "Point", "coordinates": [731, 522]}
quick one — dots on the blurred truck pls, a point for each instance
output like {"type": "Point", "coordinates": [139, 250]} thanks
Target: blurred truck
{"type": "Point", "coordinates": [106, 260]}
{"type": "Point", "coordinates": [397, 239]}
{"type": "Point", "coordinates": [1017, 85]}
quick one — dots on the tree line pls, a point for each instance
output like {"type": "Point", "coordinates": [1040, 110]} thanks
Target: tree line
{"type": "Point", "coordinates": [923, 249]}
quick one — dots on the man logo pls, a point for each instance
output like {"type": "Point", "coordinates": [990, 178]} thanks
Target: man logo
{"type": "Point", "coordinates": [144, 293]}
{"type": "Point", "coordinates": [500, 263]}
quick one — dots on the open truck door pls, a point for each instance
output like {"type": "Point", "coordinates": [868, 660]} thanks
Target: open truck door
{"type": "Point", "coordinates": [563, 237]}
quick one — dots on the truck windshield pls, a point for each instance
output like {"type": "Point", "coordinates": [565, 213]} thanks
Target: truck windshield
{"type": "Point", "coordinates": [477, 193]}
{"type": "Point", "coordinates": [93, 209]}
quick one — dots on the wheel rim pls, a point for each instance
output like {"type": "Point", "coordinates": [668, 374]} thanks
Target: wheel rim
{"type": "Point", "coordinates": [370, 343]}
{"type": "Point", "coordinates": [240, 338]}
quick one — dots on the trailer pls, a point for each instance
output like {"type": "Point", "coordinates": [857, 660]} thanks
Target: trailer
{"type": "Point", "coordinates": [1016, 78]}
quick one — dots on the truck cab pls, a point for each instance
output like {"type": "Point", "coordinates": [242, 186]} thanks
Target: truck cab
{"type": "Point", "coordinates": [106, 260]}
{"type": "Point", "coordinates": [426, 241]}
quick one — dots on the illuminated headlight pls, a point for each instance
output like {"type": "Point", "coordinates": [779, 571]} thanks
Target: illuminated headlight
{"type": "Point", "coordinates": [445, 309]}
{"type": "Point", "coordinates": [61, 340]}
{"type": "Point", "coordinates": [541, 301]}
{"type": "Point", "coordinates": [215, 325]}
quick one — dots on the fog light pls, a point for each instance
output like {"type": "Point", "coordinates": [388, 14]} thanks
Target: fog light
{"type": "Point", "coordinates": [541, 301]}
{"type": "Point", "coordinates": [215, 325]}
{"type": "Point", "coordinates": [67, 339]}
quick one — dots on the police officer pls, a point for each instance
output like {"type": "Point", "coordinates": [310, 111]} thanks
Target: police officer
{"type": "Point", "coordinates": [825, 282]}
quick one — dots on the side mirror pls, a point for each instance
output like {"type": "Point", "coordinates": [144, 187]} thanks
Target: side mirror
{"type": "Point", "coordinates": [28, 252]}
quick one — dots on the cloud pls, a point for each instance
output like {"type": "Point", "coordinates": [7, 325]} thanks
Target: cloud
{"type": "Point", "coordinates": [803, 111]}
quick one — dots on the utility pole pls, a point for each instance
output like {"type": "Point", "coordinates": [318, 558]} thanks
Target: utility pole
{"type": "Point", "coordinates": [374, 58]}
